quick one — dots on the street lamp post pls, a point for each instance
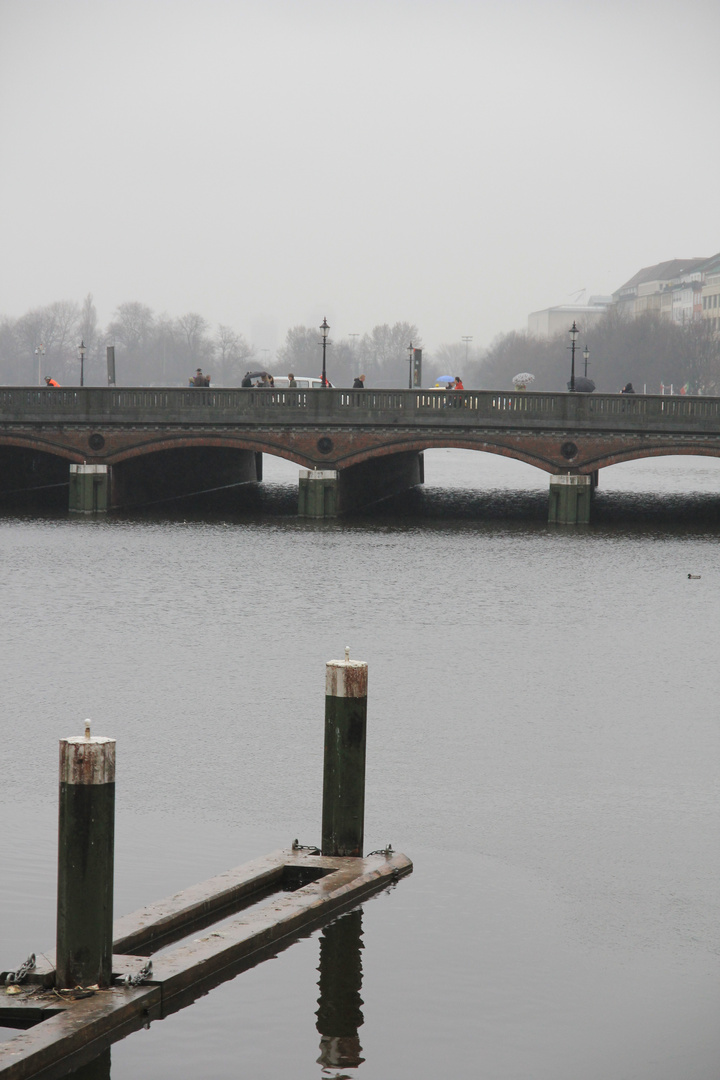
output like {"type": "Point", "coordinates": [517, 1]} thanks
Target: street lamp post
{"type": "Point", "coordinates": [467, 338]}
{"type": "Point", "coordinates": [410, 364]}
{"type": "Point", "coordinates": [586, 354]}
{"type": "Point", "coordinates": [39, 352]}
{"type": "Point", "coordinates": [573, 331]}
{"type": "Point", "coordinates": [324, 327]}
{"type": "Point", "coordinates": [81, 352]}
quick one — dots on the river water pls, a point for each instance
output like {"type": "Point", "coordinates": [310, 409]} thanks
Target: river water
{"type": "Point", "coordinates": [543, 742]}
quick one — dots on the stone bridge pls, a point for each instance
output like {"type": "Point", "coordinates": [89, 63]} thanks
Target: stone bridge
{"type": "Point", "coordinates": [125, 446]}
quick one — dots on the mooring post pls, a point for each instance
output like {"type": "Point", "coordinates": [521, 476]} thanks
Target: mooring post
{"type": "Point", "coordinates": [86, 835]}
{"type": "Point", "coordinates": [343, 813]}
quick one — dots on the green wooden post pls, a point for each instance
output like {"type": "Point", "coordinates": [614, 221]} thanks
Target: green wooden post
{"type": "Point", "coordinates": [317, 493]}
{"type": "Point", "coordinates": [569, 502]}
{"type": "Point", "coordinates": [86, 835]}
{"type": "Point", "coordinates": [89, 489]}
{"type": "Point", "coordinates": [343, 812]}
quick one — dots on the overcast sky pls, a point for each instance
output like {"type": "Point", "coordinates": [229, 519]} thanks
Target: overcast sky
{"type": "Point", "coordinates": [451, 163]}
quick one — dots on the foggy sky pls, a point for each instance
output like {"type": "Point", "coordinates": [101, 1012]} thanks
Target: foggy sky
{"type": "Point", "coordinates": [451, 163]}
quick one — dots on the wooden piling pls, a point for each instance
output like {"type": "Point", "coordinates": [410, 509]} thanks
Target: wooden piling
{"type": "Point", "coordinates": [343, 811]}
{"type": "Point", "coordinates": [86, 835]}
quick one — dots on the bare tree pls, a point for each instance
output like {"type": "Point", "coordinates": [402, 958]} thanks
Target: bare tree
{"type": "Point", "coordinates": [197, 346]}
{"type": "Point", "coordinates": [384, 352]}
{"type": "Point", "coordinates": [9, 352]}
{"type": "Point", "coordinates": [302, 351]}
{"type": "Point", "coordinates": [132, 325]}
{"type": "Point", "coordinates": [233, 356]}
{"type": "Point", "coordinates": [90, 337]}
{"type": "Point", "coordinates": [53, 331]}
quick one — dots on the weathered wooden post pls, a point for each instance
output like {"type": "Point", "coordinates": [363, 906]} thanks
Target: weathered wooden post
{"type": "Point", "coordinates": [89, 491]}
{"type": "Point", "coordinates": [343, 813]}
{"type": "Point", "coordinates": [318, 493]}
{"type": "Point", "coordinates": [570, 499]}
{"type": "Point", "coordinates": [86, 835]}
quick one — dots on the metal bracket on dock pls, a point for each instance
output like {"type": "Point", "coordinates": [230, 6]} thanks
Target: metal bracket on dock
{"type": "Point", "coordinates": [134, 980]}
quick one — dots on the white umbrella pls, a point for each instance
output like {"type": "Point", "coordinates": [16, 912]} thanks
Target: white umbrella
{"type": "Point", "coordinates": [522, 380]}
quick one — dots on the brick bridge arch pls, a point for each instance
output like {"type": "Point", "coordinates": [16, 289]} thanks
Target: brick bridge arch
{"type": "Point", "coordinates": [341, 448]}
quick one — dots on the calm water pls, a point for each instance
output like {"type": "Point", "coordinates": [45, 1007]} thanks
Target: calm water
{"type": "Point", "coordinates": [543, 743]}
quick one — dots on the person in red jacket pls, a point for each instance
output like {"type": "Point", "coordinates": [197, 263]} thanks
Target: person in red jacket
{"type": "Point", "coordinates": [458, 383]}
{"type": "Point", "coordinates": [50, 381]}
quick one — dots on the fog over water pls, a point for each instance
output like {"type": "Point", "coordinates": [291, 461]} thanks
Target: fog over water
{"type": "Point", "coordinates": [455, 164]}
{"type": "Point", "coordinates": [543, 743]}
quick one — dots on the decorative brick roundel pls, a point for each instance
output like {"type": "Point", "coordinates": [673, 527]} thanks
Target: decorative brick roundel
{"type": "Point", "coordinates": [568, 450]}
{"type": "Point", "coordinates": [96, 442]}
{"type": "Point", "coordinates": [324, 445]}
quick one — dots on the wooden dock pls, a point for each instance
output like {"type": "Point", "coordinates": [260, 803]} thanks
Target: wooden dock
{"type": "Point", "coordinates": [243, 916]}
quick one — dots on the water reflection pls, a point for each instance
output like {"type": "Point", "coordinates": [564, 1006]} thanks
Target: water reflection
{"type": "Point", "coordinates": [339, 1012]}
{"type": "Point", "coordinates": [98, 1069]}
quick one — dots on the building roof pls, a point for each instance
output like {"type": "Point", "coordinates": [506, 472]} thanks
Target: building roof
{"type": "Point", "coordinates": [664, 271]}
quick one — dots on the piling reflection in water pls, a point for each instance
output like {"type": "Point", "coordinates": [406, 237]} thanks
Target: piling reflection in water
{"type": "Point", "coordinates": [339, 1012]}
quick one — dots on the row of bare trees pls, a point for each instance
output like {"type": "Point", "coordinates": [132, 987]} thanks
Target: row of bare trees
{"type": "Point", "coordinates": [648, 351]}
{"type": "Point", "coordinates": [381, 355]}
{"type": "Point", "coordinates": [158, 349]}
{"type": "Point", "coordinates": [149, 348]}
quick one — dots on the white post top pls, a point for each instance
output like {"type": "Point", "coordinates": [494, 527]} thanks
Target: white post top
{"type": "Point", "coordinates": [346, 678]}
{"type": "Point", "coordinates": [571, 480]}
{"type": "Point", "coordinates": [86, 760]}
{"type": "Point", "coordinates": [318, 474]}
{"type": "Point", "coordinates": [88, 469]}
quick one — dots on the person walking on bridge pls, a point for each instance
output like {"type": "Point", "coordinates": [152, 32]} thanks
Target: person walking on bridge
{"type": "Point", "coordinates": [359, 383]}
{"type": "Point", "coordinates": [50, 381]}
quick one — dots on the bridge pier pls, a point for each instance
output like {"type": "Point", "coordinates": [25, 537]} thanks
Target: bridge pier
{"type": "Point", "coordinates": [569, 502]}
{"type": "Point", "coordinates": [89, 488]}
{"type": "Point", "coordinates": [328, 493]}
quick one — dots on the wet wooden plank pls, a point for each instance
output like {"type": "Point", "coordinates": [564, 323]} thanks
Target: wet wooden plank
{"type": "Point", "coordinates": [141, 930]}
{"type": "Point", "coordinates": [78, 1032]}
{"type": "Point", "coordinates": [184, 970]}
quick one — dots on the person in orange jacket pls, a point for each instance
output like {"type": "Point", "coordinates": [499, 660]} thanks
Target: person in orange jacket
{"type": "Point", "coordinates": [50, 381]}
{"type": "Point", "coordinates": [458, 383]}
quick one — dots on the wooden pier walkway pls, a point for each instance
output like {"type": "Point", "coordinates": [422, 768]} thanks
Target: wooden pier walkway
{"type": "Point", "coordinates": [275, 899]}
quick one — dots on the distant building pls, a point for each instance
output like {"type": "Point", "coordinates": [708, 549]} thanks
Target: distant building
{"type": "Point", "coordinates": [710, 298]}
{"type": "Point", "coordinates": [552, 321]}
{"type": "Point", "coordinates": [672, 289]}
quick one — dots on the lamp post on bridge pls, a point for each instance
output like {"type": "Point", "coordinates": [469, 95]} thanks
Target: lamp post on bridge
{"type": "Point", "coordinates": [586, 354]}
{"type": "Point", "coordinates": [324, 327]}
{"type": "Point", "coordinates": [40, 353]}
{"type": "Point", "coordinates": [573, 331]}
{"type": "Point", "coordinates": [81, 352]}
{"type": "Point", "coordinates": [411, 354]}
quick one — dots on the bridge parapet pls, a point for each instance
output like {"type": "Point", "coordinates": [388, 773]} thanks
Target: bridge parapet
{"type": "Point", "coordinates": [332, 407]}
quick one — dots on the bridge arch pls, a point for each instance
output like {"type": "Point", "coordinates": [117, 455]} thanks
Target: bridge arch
{"type": "Point", "coordinates": [39, 444]}
{"type": "Point", "coordinates": [447, 442]}
{"type": "Point", "coordinates": [260, 445]}
{"type": "Point", "coordinates": [674, 449]}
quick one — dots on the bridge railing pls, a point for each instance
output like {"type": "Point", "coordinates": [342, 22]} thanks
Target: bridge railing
{"type": "Point", "coordinates": [469, 408]}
